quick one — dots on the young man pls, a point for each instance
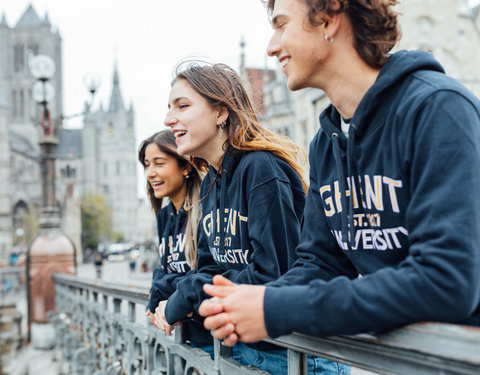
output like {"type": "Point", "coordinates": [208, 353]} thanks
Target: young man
{"type": "Point", "coordinates": [392, 219]}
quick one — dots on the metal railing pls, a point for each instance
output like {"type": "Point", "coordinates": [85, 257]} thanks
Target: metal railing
{"type": "Point", "coordinates": [101, 332]}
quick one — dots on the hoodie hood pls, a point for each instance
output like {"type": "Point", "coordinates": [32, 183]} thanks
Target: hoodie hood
{"type": "Point", "coordinates": [399, 67]}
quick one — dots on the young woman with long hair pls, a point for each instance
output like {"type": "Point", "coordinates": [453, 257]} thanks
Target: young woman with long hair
{"type": "Point", "coordinates": [252, 196]}
{"type": "Point", "coordinates": [171, 176]}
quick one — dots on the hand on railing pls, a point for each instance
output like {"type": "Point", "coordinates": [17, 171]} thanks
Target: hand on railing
{"type": "Point", "coordinates": [160, 321]}
{"type": "Point", "coordinates": [235, 312]}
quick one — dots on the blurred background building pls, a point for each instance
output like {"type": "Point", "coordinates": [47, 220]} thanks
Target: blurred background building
{"type": "Point", "coordinates": [98, 159]}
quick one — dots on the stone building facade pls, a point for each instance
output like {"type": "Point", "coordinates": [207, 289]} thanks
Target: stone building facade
{"type": "Point", "coordinates": [98, 158]}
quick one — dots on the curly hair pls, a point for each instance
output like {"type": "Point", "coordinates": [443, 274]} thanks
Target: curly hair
{"type": "Point", "coordinates": [374, 22]}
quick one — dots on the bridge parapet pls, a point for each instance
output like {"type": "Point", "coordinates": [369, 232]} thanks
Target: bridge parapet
{"type": "Point", "coordinates": [101, 330]}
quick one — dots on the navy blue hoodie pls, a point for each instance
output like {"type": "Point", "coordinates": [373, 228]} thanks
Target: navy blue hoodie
{"type": "Point", "coordinates": [174, 266]}
{"type": "Point", "coordinates": [397, 201]}
{"type": "Point", "coordinates": [251, 225]}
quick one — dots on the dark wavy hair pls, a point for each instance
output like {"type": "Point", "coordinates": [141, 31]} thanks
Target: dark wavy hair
{"type": "Point", "coordinates": [166, 143]}
{"type": "Point", "coordinates": [374, 22]}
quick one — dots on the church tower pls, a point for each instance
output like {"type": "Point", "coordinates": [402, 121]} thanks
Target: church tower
{"type": "Point", "coordinates": [118, 161]}
{"type": "Point", "coordinates": [30, 36]}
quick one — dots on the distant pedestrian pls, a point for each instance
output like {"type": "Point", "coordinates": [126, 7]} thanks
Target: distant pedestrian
{"type": "Point", "coordinates": [98, 262]}
{"type": "Point", "coordinates": [132, 264]}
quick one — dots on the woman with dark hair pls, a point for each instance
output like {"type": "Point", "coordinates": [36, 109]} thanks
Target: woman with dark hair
{"type": "Point", "coordinates": [252, 197]}
{"type": "Point", "coordinates": [172, 176]}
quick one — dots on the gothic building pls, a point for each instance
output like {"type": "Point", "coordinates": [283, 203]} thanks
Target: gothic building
{"type": "Point", "coordinates": [98, 158]}
{"type": "Point", "coordinates": [101, 157]}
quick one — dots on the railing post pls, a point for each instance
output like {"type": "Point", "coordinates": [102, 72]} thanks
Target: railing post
{"type": "Point", "coordinates": [178, 362]}
{"type": "Point", "coordinates": [131, 311]}
{"type": "Point", "coordinates": [117, 304]}
{"type": "Point", "coordinates": [220, 351]}
{"type": "Point", "coordinates": [297, 363]}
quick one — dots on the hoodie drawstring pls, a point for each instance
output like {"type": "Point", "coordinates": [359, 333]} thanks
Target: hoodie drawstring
{"type": "Point", "coordinates": [348, 229]}
{"type": "Point", "coordinates": [341, 181]}
{"type": "Point", "coordinates": [350, 173]}
{"type": "Point", "coordinates": [223, 192]}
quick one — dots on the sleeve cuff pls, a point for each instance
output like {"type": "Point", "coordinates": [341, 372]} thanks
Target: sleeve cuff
{"type": "Point", "coordinates": [283, 317]}
{"type": "Point", "coordinates": [175, 310]}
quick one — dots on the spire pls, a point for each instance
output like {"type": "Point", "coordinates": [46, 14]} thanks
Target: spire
{"type": "Point", "coordinates": [3, 22]}
{"type": "Point", "coordinates": [46, 20]}
{"type": "Point", "coordinates": [116, 101]}
{"type": "Point", "coordinates": [29, 18]}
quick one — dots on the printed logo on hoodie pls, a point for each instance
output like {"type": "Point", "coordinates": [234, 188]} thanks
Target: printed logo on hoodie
{"type": "Point", "coordinates": [378, 195]}
{"type": "Point", "coordinates": [176, 262]}
{"type": "Point", "coordinates": [232, 227]}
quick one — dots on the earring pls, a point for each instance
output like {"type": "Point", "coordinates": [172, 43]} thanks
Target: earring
{"type": "Point", "coordinates": [186, 175]}
{"type": "Point", "coordinates": [328, 39]}
{"type": "Point", "coordinates": [222, 125]}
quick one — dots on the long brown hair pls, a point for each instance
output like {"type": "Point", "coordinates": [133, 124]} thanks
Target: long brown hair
{"type": "Point", "coordinates": [166, 143]}
{"type": "Point", "coordinates": [374, 23]}
{"type": "Point", "coordinates": [222, 87]}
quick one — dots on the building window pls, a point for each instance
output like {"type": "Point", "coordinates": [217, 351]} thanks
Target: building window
{"type": "Point", "coordinates": [14, 104]}
{"type": "Point", "coordinates": [118, 167]}
{"type": "Point", "coordinates": [18, 57]}
{"type": "Point", "coordinates": [21, 104]}
{"type": "Point", "coordinates": [68, 172]}
{"type": "Point", "coordinates": [18, 103]}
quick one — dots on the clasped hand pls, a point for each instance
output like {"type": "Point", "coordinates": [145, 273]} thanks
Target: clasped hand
{"type": "Point", "coordinates": [235, 312]}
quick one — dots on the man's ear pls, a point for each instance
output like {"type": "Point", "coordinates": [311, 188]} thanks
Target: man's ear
{"type": "Point", "coordinates": [332, 22]}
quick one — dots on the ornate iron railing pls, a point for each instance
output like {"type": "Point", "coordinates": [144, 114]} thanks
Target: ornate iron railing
{"type": "Point", "coordinates": [101, 331]}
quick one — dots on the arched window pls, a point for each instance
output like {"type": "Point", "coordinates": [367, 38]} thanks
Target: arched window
{"type": "Point", "coordinates": [19, 212]}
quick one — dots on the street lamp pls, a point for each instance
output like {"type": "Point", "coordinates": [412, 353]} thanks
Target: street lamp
{"type": "Point", "coordinates": [42, 68]}
{"type": "Point", "coordinates": [51, 251]}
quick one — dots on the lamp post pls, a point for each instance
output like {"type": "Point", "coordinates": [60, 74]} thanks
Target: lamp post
{"type": "Point", "coordinates": [51, 251]}
{"type": "Point", "coordinates": [42, 68]}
